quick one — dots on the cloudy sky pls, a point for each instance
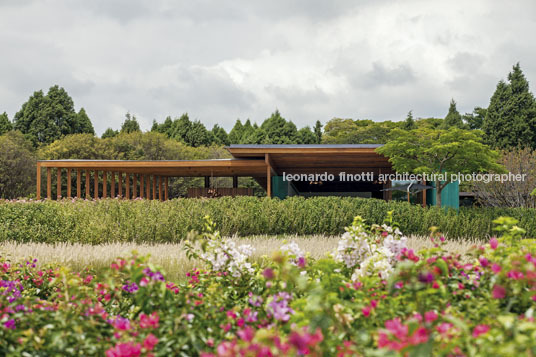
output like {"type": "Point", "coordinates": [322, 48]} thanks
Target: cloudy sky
{"type": "Point", "coordinates": [222, 60]}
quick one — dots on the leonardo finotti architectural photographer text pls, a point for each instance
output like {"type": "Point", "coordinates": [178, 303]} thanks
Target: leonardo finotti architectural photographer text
{"type": "Point", "coordinates": [370, 177]}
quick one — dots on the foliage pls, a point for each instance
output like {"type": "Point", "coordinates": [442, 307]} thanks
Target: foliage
{"type": "Point", "coordinates": [5, 124]}
{"type": "Point", "coordinates": [409, 124]}
{"type": "Point", "coordinates": [46, 118]}
{"type": "Point", "coordinates": [431, 151]}
{"type": "Point", "coordinates": [432, 303]}
{"type": "Point", "coordinates": [130, 125]}
{"type": "Point", "coordinates": [109, 133]}
{"type": "Point", "coordinates": [511, 193]}
{"type": "Point", "coordinates": [453, 118]}
{"type": "Point", "coordinates": [17, 166]}
{"type": "Point", "coordinates": [113, 220]}
{"type": "Point", "coordinates": [475, 120]}
{"type": "Point", "coordinates": [511, 116]}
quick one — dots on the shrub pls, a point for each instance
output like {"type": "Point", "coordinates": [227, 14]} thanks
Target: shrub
{"type": "Point", "coordinates": [139, 221]}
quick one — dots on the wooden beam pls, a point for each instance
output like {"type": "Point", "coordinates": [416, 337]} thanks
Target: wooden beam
{"type": "Point", "coordinates": [160, 193]}
{"type": "Point", "coordinates": [104, 184]}
{"type": "Point", "coordinates": [96, 184]}
{"type": "Point", "coordinates": [127, 186]}
{"type": "Point", "coordinates": [154, 187]}
{"type": "Point", "coordinates": [166, 186]}
{"type": "Point", "coordinates": [134, 186]}
{"type": "Point", "coordinates": [268, 176]}
{"type": "Point", "coordinates": [49, 183]}
{"type": "Point", "coordinates": [58, 183]}
{"type": "Point", "coordinates": [78, 183]}
{"type": "Point", "coordinates": [88, 196]}
{"type": "Point", "coordinates": [38, 182]}
{"type": "Point", "coordinates": [112, 185]}
{"type": "Point", "coordinates": [69, 183]}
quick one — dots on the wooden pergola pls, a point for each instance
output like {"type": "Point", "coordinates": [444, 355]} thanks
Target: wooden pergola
{"type": "Point", "coordinates": [149, 179]}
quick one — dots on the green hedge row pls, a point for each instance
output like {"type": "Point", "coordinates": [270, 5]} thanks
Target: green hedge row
{"type": "Point", "coordinates": [153, 221]}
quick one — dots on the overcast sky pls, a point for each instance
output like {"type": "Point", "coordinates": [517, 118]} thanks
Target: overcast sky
{"type": "Point", "coordinates": [222, 60]}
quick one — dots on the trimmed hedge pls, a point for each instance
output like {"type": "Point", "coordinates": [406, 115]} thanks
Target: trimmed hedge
{"type": "Point", "coordinates": [153, 221]}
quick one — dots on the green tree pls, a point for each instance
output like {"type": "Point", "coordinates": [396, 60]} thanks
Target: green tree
{"type": "Point", "coordinates": [339, 131]}
{"type": "Point", "coordinates": [453, 118]}
{"type": "Point", "coordinates": [318, 131]}
{"type": "Point", "coordinates": [5, 124]}
{"type": "Point", "coordinates": [306, 136]}
{"type": "Point", "coordinates": [220, 135]}
{"type": "Point", "coordinates": [409, 123]}
{"type": "Point", "coordinates": [130, 125]}
{"type": "Point", "coordinates": [475, 119]}
{"type": "Point", "coordinates": [511, 116]}
{"type": "Point", "coordinates": [45, 118]}
{"type": "Point", "coordinates": [198, 135]}
{"type": "Point", "coordinates": [109, 133]}
{"type": "Point", "coordinates": [279, 130]}
{"type": "Point", "coordinates": [17, 166]}
{"type": "Point", "coordinates": [236, 133]}
{"type": "Point", "coordinates": [432, 151]}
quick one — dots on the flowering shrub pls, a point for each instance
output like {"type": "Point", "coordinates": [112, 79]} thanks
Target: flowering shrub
{"type": "Point", "coordinates": [376, 297]}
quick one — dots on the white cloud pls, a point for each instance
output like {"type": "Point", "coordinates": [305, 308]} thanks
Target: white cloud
{"type": "Point", "coordinates": [220, 61]}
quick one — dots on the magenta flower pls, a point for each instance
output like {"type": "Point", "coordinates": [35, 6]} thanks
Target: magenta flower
{"type": "Point", "coordinates": [483, 261]}
{"type": "Point", "coordinates": [496, 268]}
{"type": "Point", "coordinates": [268, 274]}
{"type": "Point", "coordinates": [149, 321]}
{"type": "Point", "coordinates": [430, 316]}
{"type": "Point", "coordinates": [246, 334]}
{"type": "Point", "coordinates": [124, 350]}
{"type": "Point", "coordinates": [480, 330]}
{"type": "Point", "coordinates": [366, 311]}
{"type": "Point", "coordinates": [10, 324]}
{"type": "Point", "coordinates": [150, 341]}
{"type": "Point", "coordinates": [494, 243]}
{"type": "Point", "coordinates": [498, 292]}
{"type": "Point", "coordinates": [516, 275]}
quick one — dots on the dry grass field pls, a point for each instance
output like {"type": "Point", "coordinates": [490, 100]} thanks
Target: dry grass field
{"type": "Point", "coordinates": [172, 258]}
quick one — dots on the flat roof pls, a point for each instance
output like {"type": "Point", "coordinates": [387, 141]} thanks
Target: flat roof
{"type": "Point", "coordinates": [302, 146]}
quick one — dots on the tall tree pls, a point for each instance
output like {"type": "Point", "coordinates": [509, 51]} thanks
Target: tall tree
{"type": "Point", "coordinates": [109, 133]}
{"type": "Point", "coordinates": [279, 130]}
{"type": "Point", "coordinates": [409, 123]}
{"type": "Point", "coordinates": [430, 151]}
{"type": "Point", "coordinates": [318, 131]}
{"type": "Point", "coordinates": [220, 135]}
{"type": "Point", "coordinates": [17, 166]}
{"type": "Point", "coordinates": [45, 118]}
{"type": "Point", "coordinates": [306, 136]}
{"type": "Point", "coordinates": [475, 119]}
{"type": "Point", "coordinates": [5, 124]}
{"type": "Point", "coordinates": [236, 133]}
{"type": "Point", "coordinates": [453, 118]}
{"type": "Point", "coordinates": [130, 124]}
{"type": "Point", "coordinates": [511, 116]}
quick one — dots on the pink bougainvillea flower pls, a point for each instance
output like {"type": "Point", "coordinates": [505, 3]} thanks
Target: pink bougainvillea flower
{"type": "Point", "coordinates": [124, 350]}
{"type": "Point", "coordinates": [246, 334]}
{"type": "Point", "coordinates": [516, 275]}
{"type": "Point", "coordinates": [480, 330]}
{"type": "Point", "coordinates": [498, 292]}
{"type": "Point", "coordinates": [496, 268]}
{"type": "Point", "coordinates": [150, 341]}
{"type": "Point", "coordinates": [10, 324]}
{"type": "Point", "coordinates": [494, 243]}
{"type": "Point", "coordinates": [366, 311]}
{"type": "Point", "coordinates": [430, 316]}
{"type": "Point", "coordinates": [149, 321]}
{"type": "Point", "coordinates": [121, 323]}
{"type": "Point", "coordinates": [483, 261]}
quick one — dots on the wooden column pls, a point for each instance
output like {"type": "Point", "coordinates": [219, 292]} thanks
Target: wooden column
{"type": "Point", "coordinates": [154, 187]}
{"type": "Point", "coordinates": [127, 186]}
{"type": "Point", "coordinates": [69, 183]}
{"type": "Point", "coordinates": [142, 191]}
{"type": "Point", "coordinates": [38, 182]}
{"type": "Point", "coordinates": [120, 184]}
{"type": "Point", "coordinates": [166, 185]}
{"type": "Point", "coordinates": [160, 193]}
{"type": "Point", "coordinates": [424, 195]}
{"type": "Point", "coordinates": [148, 187]}
{"type": "Point", "coordinates": [58, 183]}
{"type": "Point", "coordinates": [268, 175]}
{"type": "Point", "coordinates": [207, 182]}
{"type": "Point", "coordinates": [235, 181]}
{"type": "Point", "coordinates": [88, 195]}
{"type": "Point", "coordinates": [96, 184]}
{"type": "Point", "coordinates": [134, 185]}
{"type": "Point", "coordinates": [112, 185]}
{"type": "Point", "coordinates": [78, 183]}
{"type": "Point", "coordinates": [104, 184]}
{"type": "Point", "coordinates": [49, 183]}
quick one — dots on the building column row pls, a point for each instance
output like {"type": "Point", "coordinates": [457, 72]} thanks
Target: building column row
{"type": "Point", "coordinates": [105, 184]}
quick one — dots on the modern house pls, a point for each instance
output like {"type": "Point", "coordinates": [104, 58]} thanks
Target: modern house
{"type": "Point", "coordinates": [282, 170]}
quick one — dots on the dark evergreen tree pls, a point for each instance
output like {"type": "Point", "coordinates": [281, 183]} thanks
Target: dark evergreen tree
{"type": "Point", "coordinates": [130, 125]}
{"type": "Point", "coordinates": [409, 123]}
{"type": "Point", "coordinates": [318, 131]}
{"type": "Point", "coordinates": [475, 119]}
{"type": "Point", "coordinates": [453, 118]}
{"type": "Point", "coordinates": [109, 133]}
{"type": "Point", "coordinates": [279, 131]}
{"type": "Point", "coordinates": [45, 118]}
{"type": "Point", "coordinates": [306, 136]}
{"type": "Point", "coordinates": [5, 124]}
{"type": "Point", "coordinates": [220, 135]}
{"type": "Point", "coordinates": [236, 133]}
{"type": "Point", "coordinates": [511, 116]}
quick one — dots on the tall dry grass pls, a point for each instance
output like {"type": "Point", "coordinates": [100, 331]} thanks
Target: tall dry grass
{"type": "Point", "coordinates": [172, 257]}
